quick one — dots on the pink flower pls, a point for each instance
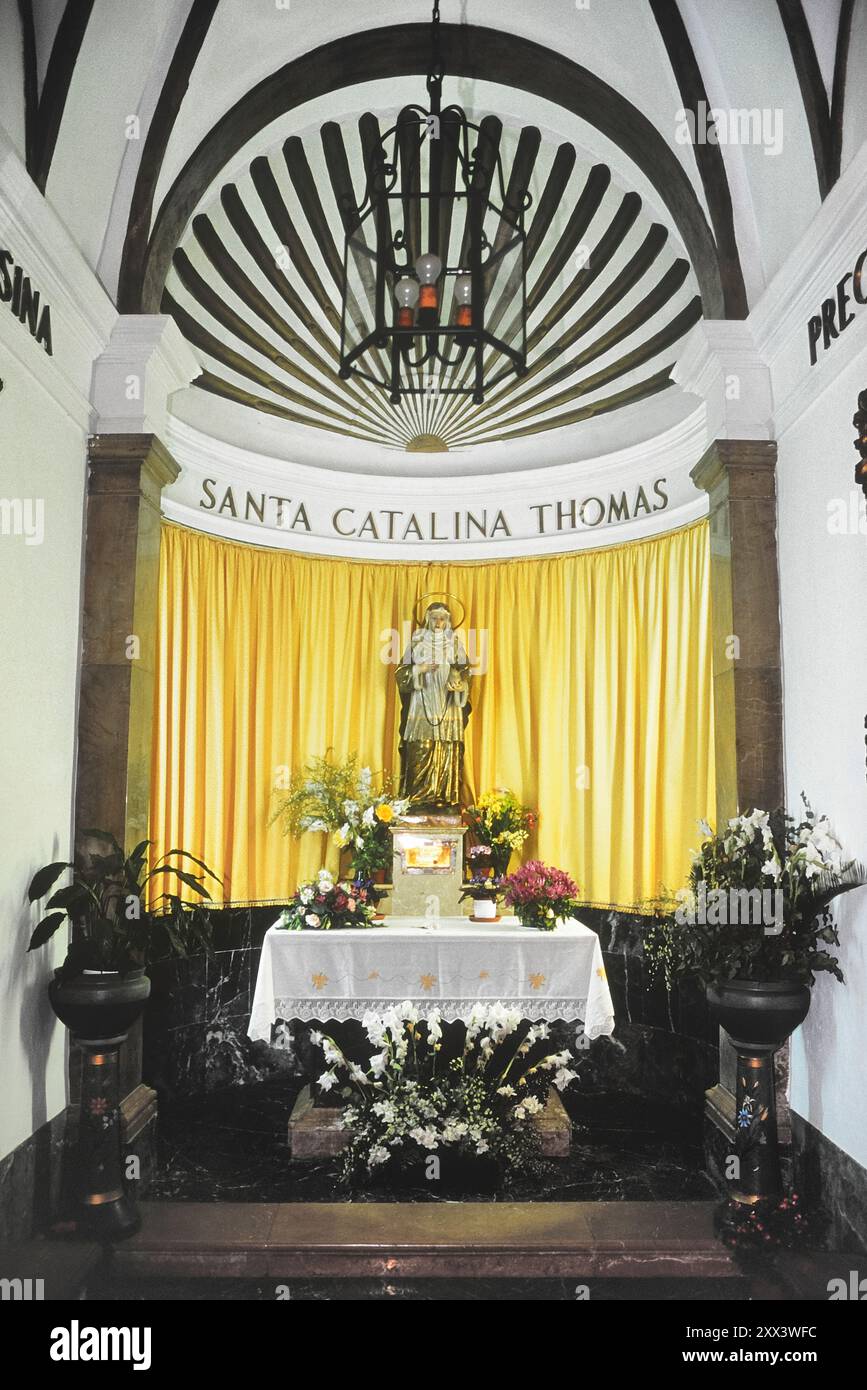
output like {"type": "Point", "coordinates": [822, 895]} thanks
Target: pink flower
{"type": "Point", "coordinates": [536, 882]}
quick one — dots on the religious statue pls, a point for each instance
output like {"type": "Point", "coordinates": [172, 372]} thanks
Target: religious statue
{"type": "Point", "coordinates": [433, 680]}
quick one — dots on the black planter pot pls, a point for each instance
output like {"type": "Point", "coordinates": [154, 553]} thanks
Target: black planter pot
{"type": "Point", "coordinates": [758, 1017]}
{"type": "Point", "coordinates": [98, 1009]}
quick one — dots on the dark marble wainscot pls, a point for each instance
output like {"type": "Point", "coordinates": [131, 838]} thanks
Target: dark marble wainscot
{"type": "Point", "coordinates": [224, 1100]}
{"type": "Point", "coordinates": [195, 1033]}
{"type": "Point", "coordinates": [195, 1026]}
{"type": "Point", "coordinates": [664, 1047]}
{"type": "Point", "coordinates": [826, 1176]}
{"type": "Point", "coordinates": [32, 1180]}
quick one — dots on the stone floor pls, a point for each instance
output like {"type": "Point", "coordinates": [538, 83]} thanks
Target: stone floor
{"type": "Point", "coordinates": [230, 1146]}
{"type": "Point", "coordinates": [223, 1221]}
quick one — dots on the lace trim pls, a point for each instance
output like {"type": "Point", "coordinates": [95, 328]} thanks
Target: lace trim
{"type": "Point", "coordinates": [307, 1010]}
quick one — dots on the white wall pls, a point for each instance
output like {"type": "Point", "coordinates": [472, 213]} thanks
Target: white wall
{"type": "Point", "coordinates": [824, 601]}
{"type": "Point", "coordinates": [823, 581]}
{"type": "Point", "coordinates": [44, 422]}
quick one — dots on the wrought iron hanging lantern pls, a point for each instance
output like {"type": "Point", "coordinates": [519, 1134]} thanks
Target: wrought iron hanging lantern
{"type": "Point", "coordinates": [434, 292]}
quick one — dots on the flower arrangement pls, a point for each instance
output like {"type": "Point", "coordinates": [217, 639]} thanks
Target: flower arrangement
{"type": "Point", "coordinates": [756, 904]}
{"type": "Point", "coordinates": [501, 824]}
{"type": "Point", "coordinates": [472, 1094]}
{"type": "Point", "coordinates": [342, 800]}
{"type": "Point", "coordinates": [480, 861]}
{"type": "Point", "coordinates": [483, 886]}
{"type": "Point", "coordinates": [541, 896]}
{"type": "Point", "coordinates": [328, 906]}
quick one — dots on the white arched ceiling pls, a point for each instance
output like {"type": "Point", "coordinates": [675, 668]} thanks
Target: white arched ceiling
{"type": "Point", "coordinates": [207, 304]}
{"type": "Point", "coordinates": [855, 110]}
{"type": "Point", "coordinates": [245, 43]}
{"type": "Point", "coordinates": [107, 88]}
{"type": "Point", "coordinates": [741, 48]}
{"type": "Point", "coordinates": [47, 15]}
{"type": "Point", "coordinates": [12, 84]}
{"type": "Point", "coordinates": [777, 194]}
{"type": "Point", "coordinates": [823, 18]}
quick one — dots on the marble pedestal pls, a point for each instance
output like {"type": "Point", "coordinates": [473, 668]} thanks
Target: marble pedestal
{"type": "Point", "coordinates": [427, 867]}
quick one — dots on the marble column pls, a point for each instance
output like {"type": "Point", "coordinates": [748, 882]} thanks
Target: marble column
{"type": "Point", "coordinates": [739, 477]}
{"type": "Point", "coordinates": [126, 474]}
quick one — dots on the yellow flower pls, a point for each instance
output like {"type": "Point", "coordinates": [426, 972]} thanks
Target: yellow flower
{"type": "Point", "coordinates": [341, 838]}
{"type": "Point", "coordinates": [384, 812]}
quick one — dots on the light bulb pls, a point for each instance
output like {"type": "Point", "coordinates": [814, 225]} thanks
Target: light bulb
{"type": "Point", "coordinates": [464, 301]}
{"type": "Point", "coordinates": [464, 289]}
{"type": "Point", "coordinates": [428, 268]}
{"type": "Point", "coordinates": [406, 294]}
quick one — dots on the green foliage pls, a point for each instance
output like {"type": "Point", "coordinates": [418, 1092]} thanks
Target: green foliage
{"type": "Point", "coordinates": [796, 866]}
{"type": "Point", "coordinates": [316, 796]}
{"type": "Point", "coordinates": [343, 800]}
{"type": "Point", "coordinates": [106, 906]}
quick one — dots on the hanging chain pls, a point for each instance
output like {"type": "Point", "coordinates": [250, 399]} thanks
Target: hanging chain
{"type": "Point", "coordinates": [436, 71]}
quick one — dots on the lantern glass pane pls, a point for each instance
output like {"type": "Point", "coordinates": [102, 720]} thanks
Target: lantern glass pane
{"type": "Point", "coordinates": [359, 299]}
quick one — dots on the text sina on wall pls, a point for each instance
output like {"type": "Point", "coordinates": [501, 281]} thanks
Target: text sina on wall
{"type": "Point", "coordinates": [17, 291]}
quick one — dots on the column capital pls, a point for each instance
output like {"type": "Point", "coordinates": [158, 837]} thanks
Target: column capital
{"type": "Point", "coordinates": [737, 468]}
{"type": "Point", "coordinates": [146, 361]}
{"type": "Point", "coordinates": [721, 364]}
{"type": "Point", "coordinates": [129, 464]}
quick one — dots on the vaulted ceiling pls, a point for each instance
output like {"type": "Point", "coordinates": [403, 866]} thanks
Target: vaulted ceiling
{"type": "Point", "coordinates": [219, 150]}
{"type": "Point", "coordinates": [255, 286]}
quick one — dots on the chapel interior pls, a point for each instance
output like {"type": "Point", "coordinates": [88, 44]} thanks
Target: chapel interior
{"type": "Point", "coordinates": [433, 565]}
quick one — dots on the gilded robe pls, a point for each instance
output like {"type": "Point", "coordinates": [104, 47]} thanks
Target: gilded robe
{"type": "Point", "coordinates": [433, 680]}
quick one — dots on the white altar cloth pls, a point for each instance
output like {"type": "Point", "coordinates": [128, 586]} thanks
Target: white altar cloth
{"type": "Point", "coordinates": [343, 974]}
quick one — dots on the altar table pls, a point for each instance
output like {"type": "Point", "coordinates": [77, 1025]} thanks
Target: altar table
{"type": "Point", "coordinates": [448, 966]}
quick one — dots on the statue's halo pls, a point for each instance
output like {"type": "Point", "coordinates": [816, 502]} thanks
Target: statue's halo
{"type": "Point", "coordinates": [440, 596]}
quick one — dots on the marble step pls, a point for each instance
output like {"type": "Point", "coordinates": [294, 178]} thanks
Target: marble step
{"type": "Point", "coordinates": [652, 1240]}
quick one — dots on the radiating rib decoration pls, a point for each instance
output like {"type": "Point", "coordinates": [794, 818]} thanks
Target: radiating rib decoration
{"type": "Point", "coordinates": [255, 287]}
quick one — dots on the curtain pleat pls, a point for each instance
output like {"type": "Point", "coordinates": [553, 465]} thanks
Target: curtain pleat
{"type": "Point", "coordinates": [595, 704]}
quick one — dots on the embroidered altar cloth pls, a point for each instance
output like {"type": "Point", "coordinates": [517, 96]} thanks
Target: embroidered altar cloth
{"type": "Point", "coordinates": [450, 965]}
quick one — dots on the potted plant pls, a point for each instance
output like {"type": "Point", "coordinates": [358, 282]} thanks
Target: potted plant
{"type": "Point", "coordinates": [541, 896]}
{"type": "Point", "coordinates": [465, 1100]}
{"type": "Point", "coordinates": [485, 891]}
{"type": "Point", "coordinates": [501, 824]}
{"type": "Point", "coordinates": [115, 929]}
{"type": "Point", "coordinates": [753, 927]}
{"type": "Point", "coordinates": [328, 906]}
{"type": "Point", "coordinates": [101, 988]}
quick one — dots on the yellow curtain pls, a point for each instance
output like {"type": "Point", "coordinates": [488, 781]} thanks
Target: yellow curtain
{"type": "Point", "coordinates": [595, 705]}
